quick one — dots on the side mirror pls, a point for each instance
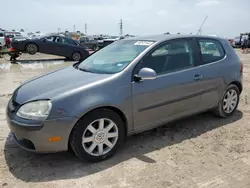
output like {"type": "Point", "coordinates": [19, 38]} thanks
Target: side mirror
{"type": "Point", "coordinates": [145, 74]}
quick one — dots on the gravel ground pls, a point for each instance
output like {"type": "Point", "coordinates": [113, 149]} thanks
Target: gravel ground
{"type": "Point", "coordinates": [201, 151]}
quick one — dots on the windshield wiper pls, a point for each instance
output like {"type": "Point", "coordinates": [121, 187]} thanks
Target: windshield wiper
{"type": "Point", "coordinates": [84, 70]}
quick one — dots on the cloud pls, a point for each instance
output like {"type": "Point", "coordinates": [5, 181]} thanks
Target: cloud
{"type": "Point", "coordinates": [140, 17]}
{"type": "Point", "coordinates": [207, 3]}
{"type": "Point", "coordinates": [162, 13]}
{"type": "Point", "coordinates": [187, 25]}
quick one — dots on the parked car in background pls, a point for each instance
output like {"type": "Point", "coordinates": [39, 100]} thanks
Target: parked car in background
{"type": "Point", "coordinates": [100, 41]}
{"type": "Point", "coordinates": [19, 38]}
{"type": "Point", "coordinates": [2, 40]}
{"type": "Point", "coordinates": [236, 42]}
{"type": "Point", "coordinates": [110, 40]}
{"type": "Point", "coordinates": [52, 44]}
{"type": "Point", "coordinates": [89, 42]}
{"type": "Point", "coordinates": [127, 87]}
{"type": "Point", "coordinates": [11, 35]}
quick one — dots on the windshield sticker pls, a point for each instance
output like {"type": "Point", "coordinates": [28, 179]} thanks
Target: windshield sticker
{"type": "Point", "coordinates": [144, 43]}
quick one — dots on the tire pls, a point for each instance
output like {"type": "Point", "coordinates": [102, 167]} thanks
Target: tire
{"type": "Point", "coordinates": [221, 110]}
{"type": "Point", "coordinates": [76, 56]}
{"type": "Point", "coordinates": [31, 48]}
{"type": "Point", "coordinates": [94, 47]}
{"type": "Point", "coordinates": [90, 150]}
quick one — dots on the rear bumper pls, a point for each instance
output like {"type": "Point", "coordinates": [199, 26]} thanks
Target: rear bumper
{"type": "Point", "coordinates": [34, 136]}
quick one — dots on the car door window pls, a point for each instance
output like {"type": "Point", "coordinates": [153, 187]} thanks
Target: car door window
{"type": "Point", "coordinates": [49, 38]}
{"type": "Point", "coordinates": [211, 51]}
{"type": "Point", "coordinates": [68, 41]}
{"type": "Point", "coordinates": [58, 39]}
{"type": "Point", "coordinates": [169, 57]}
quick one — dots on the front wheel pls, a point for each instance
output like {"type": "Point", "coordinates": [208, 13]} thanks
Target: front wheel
{"type": "Point", "coordinates": [97, 135]}
{"type": "Point", "coordinates": [229, 102]}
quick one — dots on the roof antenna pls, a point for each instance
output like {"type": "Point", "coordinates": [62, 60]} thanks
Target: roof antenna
{"type": "Point", "coordinates": [199, 31]}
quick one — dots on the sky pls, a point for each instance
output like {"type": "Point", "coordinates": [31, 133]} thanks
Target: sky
{"type": "Point", "coordinates": [226, 18]}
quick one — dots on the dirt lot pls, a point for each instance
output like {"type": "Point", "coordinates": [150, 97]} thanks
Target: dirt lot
{"type": "Point", "coordinates": [201, 151]}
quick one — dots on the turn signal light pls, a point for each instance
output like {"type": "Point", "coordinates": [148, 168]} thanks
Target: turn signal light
{"type": "Point", "coordinates": [55, 139]}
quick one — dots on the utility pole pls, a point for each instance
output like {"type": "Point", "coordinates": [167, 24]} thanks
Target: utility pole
{"type": "Point", "coordinates": [85, 28]}
{"type": "Point", "coordinates": [121, 27]}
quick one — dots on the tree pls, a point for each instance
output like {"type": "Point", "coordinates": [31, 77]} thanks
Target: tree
{"type": "Point", "coordinates": [21, 30]}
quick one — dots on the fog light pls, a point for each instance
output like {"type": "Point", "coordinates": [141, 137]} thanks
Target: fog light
{"type": "Point", "coordinates": [55, 139]}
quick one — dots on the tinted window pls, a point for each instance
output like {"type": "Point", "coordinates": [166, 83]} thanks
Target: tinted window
{"type": "Point", "coordinates": [68, 41]}
{"type": "Point", "coordinates": [49, 39]}
{"type": "Point", "coordinates": [1, 34]}
{"type": "Point", "coordinates": [211, 50]}
{"type": "Point", "coordinates": [173, 56]}
{"type": "Point", "coordinates": [58, 39]}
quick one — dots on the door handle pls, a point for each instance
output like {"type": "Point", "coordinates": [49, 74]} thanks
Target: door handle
{"type": "Point", "coordinates": [198, 77]}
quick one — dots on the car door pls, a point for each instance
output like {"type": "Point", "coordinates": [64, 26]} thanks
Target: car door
{"type": "Point", "coordinates": [212, 64]}
{"type": "Point", "coordinates": [60, 47]}
{"type": "Point", "coordinates": [176, 92]}
{"type": "Point", "coordinates": [47, 44]}
{"type": "Point", "coordinates": [84, 42]}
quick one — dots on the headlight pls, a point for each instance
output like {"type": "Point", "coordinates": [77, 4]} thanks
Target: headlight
{"type": "Point", "coordinates": [37, 110]}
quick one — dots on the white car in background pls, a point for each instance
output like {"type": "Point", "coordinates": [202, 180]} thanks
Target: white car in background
{"type": "Point", "coordinates": [2, 40]}
{"type": "Point", "coordinates": [12, 35]}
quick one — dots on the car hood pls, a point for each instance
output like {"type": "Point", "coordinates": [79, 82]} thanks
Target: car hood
{"type": "Point", "coordinates": [55, 83]}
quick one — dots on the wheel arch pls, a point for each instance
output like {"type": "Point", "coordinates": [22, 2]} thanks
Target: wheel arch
{"type": "Point", "coordinates": [238, 84]}
{"type": "Point", "coordinates": [112, 108]}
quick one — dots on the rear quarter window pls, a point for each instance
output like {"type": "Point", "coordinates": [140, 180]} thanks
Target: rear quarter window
{"type": "Point", "coordinates": [211, 50]}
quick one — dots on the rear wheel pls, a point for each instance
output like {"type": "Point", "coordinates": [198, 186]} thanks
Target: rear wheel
{"type": "Point", "coordinates": [229, 102]}
{"type": "Point", "coordinates": [97, 135]}
{"type": "Point", "coordinates": [31, 49]}
{"type": "Point", "coordinates": [76, 56]}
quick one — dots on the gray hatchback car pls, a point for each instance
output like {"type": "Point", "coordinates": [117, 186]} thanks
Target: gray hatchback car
{"type": "Point", "coordinates": [125, 88]}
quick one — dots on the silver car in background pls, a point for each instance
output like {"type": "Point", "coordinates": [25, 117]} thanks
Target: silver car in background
{"type": "Point", "coordinates": [128, 87]}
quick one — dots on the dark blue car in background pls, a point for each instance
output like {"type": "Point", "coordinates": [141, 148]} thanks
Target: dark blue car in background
{"type": "Point", "coordinates": [54, 45]}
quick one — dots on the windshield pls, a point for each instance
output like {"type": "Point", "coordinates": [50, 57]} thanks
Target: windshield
{"type": "Point", "coordinates": [115, 57]}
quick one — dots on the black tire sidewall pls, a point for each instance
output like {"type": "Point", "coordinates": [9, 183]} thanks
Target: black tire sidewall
{"type": "Point", "coordinates": [31, 53]}
{"type": "Point", "coordinates": [77, 59]}
{"type": "Point", "coordinates": [230, 87]}
{"type": "Point", "coordinates": [80, 127]}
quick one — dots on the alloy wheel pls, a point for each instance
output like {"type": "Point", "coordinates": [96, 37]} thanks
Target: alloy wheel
{"type": "Point", "coordinates": [230, 101]}
{"type": "Point", "coordinates": [100, 137]}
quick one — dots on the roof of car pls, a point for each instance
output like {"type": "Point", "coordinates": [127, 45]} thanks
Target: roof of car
{"type": "Point", "coordinates": [168, 37]}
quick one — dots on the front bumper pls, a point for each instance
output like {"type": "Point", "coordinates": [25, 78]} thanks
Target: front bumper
{"type": "Point", "coordinates": [34, 136]}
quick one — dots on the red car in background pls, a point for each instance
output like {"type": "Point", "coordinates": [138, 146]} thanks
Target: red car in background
{"type": "Point", "coordinates": [7, 41]}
